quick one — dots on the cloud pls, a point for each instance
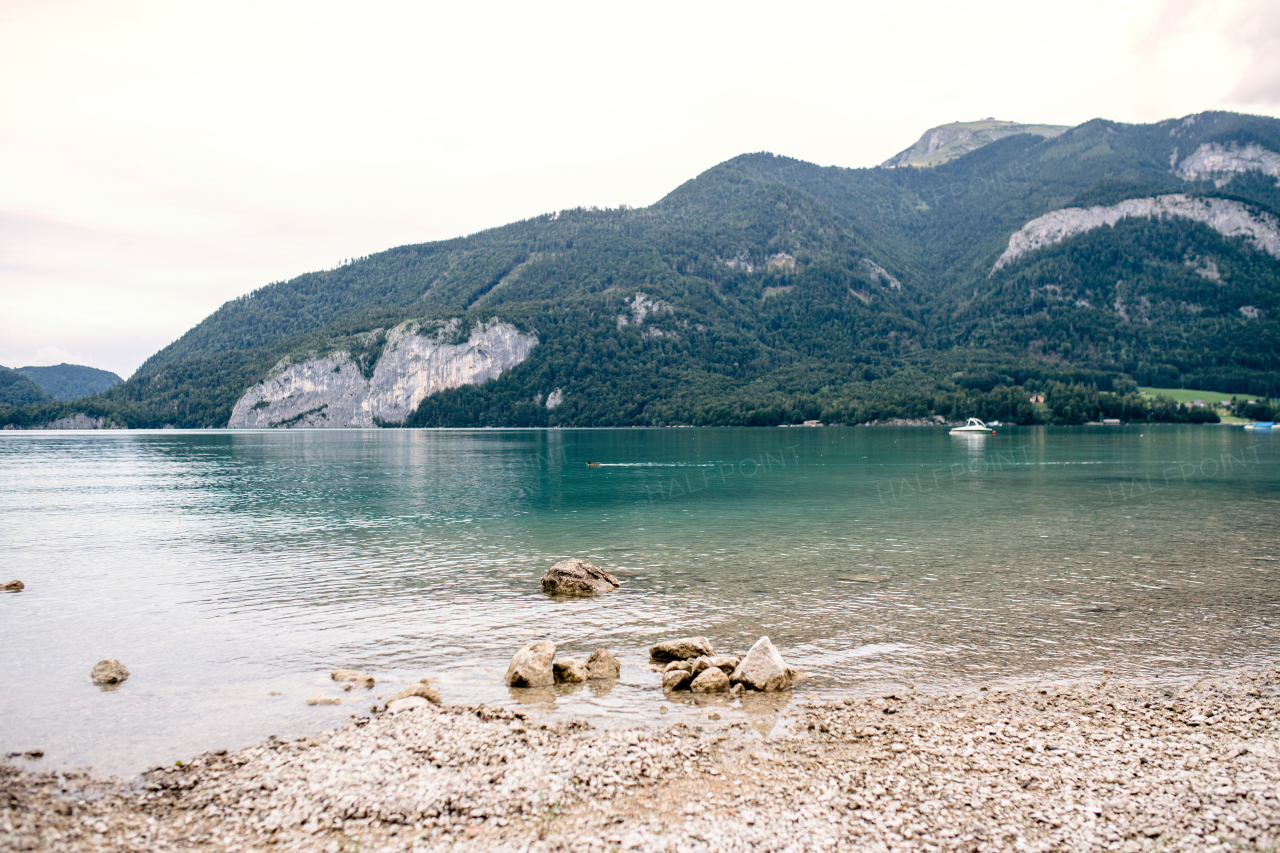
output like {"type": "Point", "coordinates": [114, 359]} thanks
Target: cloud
{"type": "Point", "coordinates": [54, 355]}
{"type": "Point", "coordinates": [1257, 30]}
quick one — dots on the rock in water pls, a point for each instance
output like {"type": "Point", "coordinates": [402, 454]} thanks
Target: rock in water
{"type": "Point", "coordinates": [677, 679]}
{"type": "Point", "coordinates": [421, 691]}
{"type": "Point", "coordinates": [324, 700]}
{"type": "Point", "coordinates": [682, 649]}
{"type": "Point", "coordinates": [763, 668]}
{"type": "Point", "coordinates": [725, 663]}
{"type": "Point", "coordinates": [109, 671]}
{"type": "Point", "coordinates": [602, 664]}
{"type": "Point", "coordinates": [13, 586]}
{"type": "Point", "coordinates": [531, 666]}
{"type": "Point", "coordinates": [712, 680]}
{"type": "Point", "coordinates": [363, 679]}
{"type": "Point", "coordinates": [569, 671]}
{"type": "Point", "coordinates": [574, 577]}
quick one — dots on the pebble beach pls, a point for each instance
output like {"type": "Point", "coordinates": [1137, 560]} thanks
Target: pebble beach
{"type": "Point", "coordinates": [1090, 765]}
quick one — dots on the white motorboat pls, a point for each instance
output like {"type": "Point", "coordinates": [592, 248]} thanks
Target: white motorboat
{"type": "Point", "coordinates": [1261, 426]}
{"type": "Point", "coordinates": [973, 426]}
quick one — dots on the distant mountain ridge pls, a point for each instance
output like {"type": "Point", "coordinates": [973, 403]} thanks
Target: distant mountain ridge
{"type": "Point", "coordinates": [948, 141]}
{"type": "Point", "coordinates": [767, 290]}
{"type": "Point", "coordinates": [71, 381]}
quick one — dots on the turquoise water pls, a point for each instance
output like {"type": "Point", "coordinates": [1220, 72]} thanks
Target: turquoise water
{"type": "Point", "coordinates": [225, 567]}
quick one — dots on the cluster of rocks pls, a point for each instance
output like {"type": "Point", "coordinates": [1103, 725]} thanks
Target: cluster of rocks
{"type": "Point", "coordinates": [535, 666]}
{"type": "Point", "coordinates": [575, 577]}
{"type": "Point", "coordinates": [693, 665]}
{"type": "Point", "coordinates": [1083, 767]}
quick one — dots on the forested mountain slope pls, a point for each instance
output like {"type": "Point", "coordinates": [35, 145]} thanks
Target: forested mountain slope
{"type": "Point", "coordinates": [70, 381]}
{"type": "Point", "coordinates": [770, 290]}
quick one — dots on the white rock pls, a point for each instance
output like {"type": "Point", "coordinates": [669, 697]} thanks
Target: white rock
{"type": "Point", "coordinates": [762, 668]}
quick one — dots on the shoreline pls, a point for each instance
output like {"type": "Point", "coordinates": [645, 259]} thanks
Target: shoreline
{"type": "Point", "coordinates": [1095, 765]}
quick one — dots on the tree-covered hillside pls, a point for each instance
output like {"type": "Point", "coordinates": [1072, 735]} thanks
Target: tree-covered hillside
{"type": "Point", "coordinates": [787, 291]}
{"type": "Point", "coordinates": [18, 390]}
{"type": "Point", "coordinates": [70, 381]}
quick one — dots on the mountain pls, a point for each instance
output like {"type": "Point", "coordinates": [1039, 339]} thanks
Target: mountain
{"type": "Point", "coordinates": [18, 390]}
{"type": "Point", "coordinates": [768, 290]}
{"type": "Point", "coordinates": [949, 141]}
{"type": "Point", "coordinates": [71, 381]}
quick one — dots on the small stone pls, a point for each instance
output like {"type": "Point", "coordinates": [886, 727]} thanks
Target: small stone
{"type": "Point", "coordinates": [763, 668]}
{"type": "Point", "coordinates": [711, 680]}
{"type": "Point", "coordinates": [602, 664]}
{"type": "Point", "coordinates": [421, 691]}
{"type": "Point", "coordinates": [33, 754]}
{"type": "Point", "coordinates": [362, 679]}
{"type": "Point", "coordinates": [405, 703]}
{"type": "Point", "coordinates": [686, 666]}
{"type": "Point", "coordinates": [569, 671]}
{"type": "Point", "coordinates": [109, 671]}
{"type": "Point", "coordinates": [575, 577]}
{"type": "Point", "coordinates": [324, 700]}
{"type": "Point", "coordinates": [677, 679]}
{"type": "Point", "coordinates": [684, 648]}
{"type": "Point", "coordinates": [726, 663]}
{"type": "Point", "coordinates": [13, 586]}
{"type": "Point", "coordinates": [531, 666]}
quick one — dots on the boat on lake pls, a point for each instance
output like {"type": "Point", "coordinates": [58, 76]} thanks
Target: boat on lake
{"type": "Point", "coordinates": [1261, 426]}
{"type": "Point", "coordinates": [973, 426]}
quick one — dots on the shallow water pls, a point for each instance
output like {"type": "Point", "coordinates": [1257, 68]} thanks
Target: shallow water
{"type": "Point", "coordinates": [225, 567]}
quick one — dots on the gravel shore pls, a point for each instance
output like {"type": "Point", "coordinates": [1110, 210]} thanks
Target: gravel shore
{"type": "Point", "coordinates": [1088, 766]}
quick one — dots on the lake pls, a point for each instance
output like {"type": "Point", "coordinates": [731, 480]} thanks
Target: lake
{"type": "Point", "coordinates": [231, 571]}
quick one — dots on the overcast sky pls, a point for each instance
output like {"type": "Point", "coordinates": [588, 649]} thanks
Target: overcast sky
{"type": "Point", "coordinates": [158, 159]}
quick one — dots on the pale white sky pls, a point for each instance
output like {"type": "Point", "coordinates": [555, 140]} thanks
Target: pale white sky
{"type": "Point", "coordinates": [159, 158]}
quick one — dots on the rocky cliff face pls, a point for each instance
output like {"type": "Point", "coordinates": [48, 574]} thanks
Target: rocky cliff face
{"type": "Point", "coordinates": [1221, 162]}
{"type": "Point", "coordinates": [331, 391]}
{"type": "Point", "coordinates": [1227, 217]}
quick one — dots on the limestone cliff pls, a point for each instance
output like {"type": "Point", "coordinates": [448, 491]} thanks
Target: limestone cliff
{"type": "Point", "coordinates": [331, 391]}
{"type": "Point", "coordinates": [1221, 162]}
{"type": "Point", "coordinates": [1227, 217]}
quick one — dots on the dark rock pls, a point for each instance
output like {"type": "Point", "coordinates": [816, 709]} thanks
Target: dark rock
{"type": "Point", "coordinates": [569, 671]}
{"type": "Point", "coordinates": [684, 648]}
{"type": "Point", "coordinates": [13, 586]}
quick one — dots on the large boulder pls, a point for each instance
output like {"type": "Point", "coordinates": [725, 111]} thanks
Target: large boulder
{"type": "Point", "coordinates": [602, 664]}
{"type": "Point", "coordinates": [763, 668]}
{"type": "Point", "coordinates": [109, 671]}
{"type": "Point", "coordinates": [684, 648]}
{"type": "Point", "coordinates": [711, 680]}
{"type": "Point", "coordinates": [531, 666]}
{"type": "Point", "coordinates": [569, 671]}
{"type": "Point", "coordinates": [575, 577]}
